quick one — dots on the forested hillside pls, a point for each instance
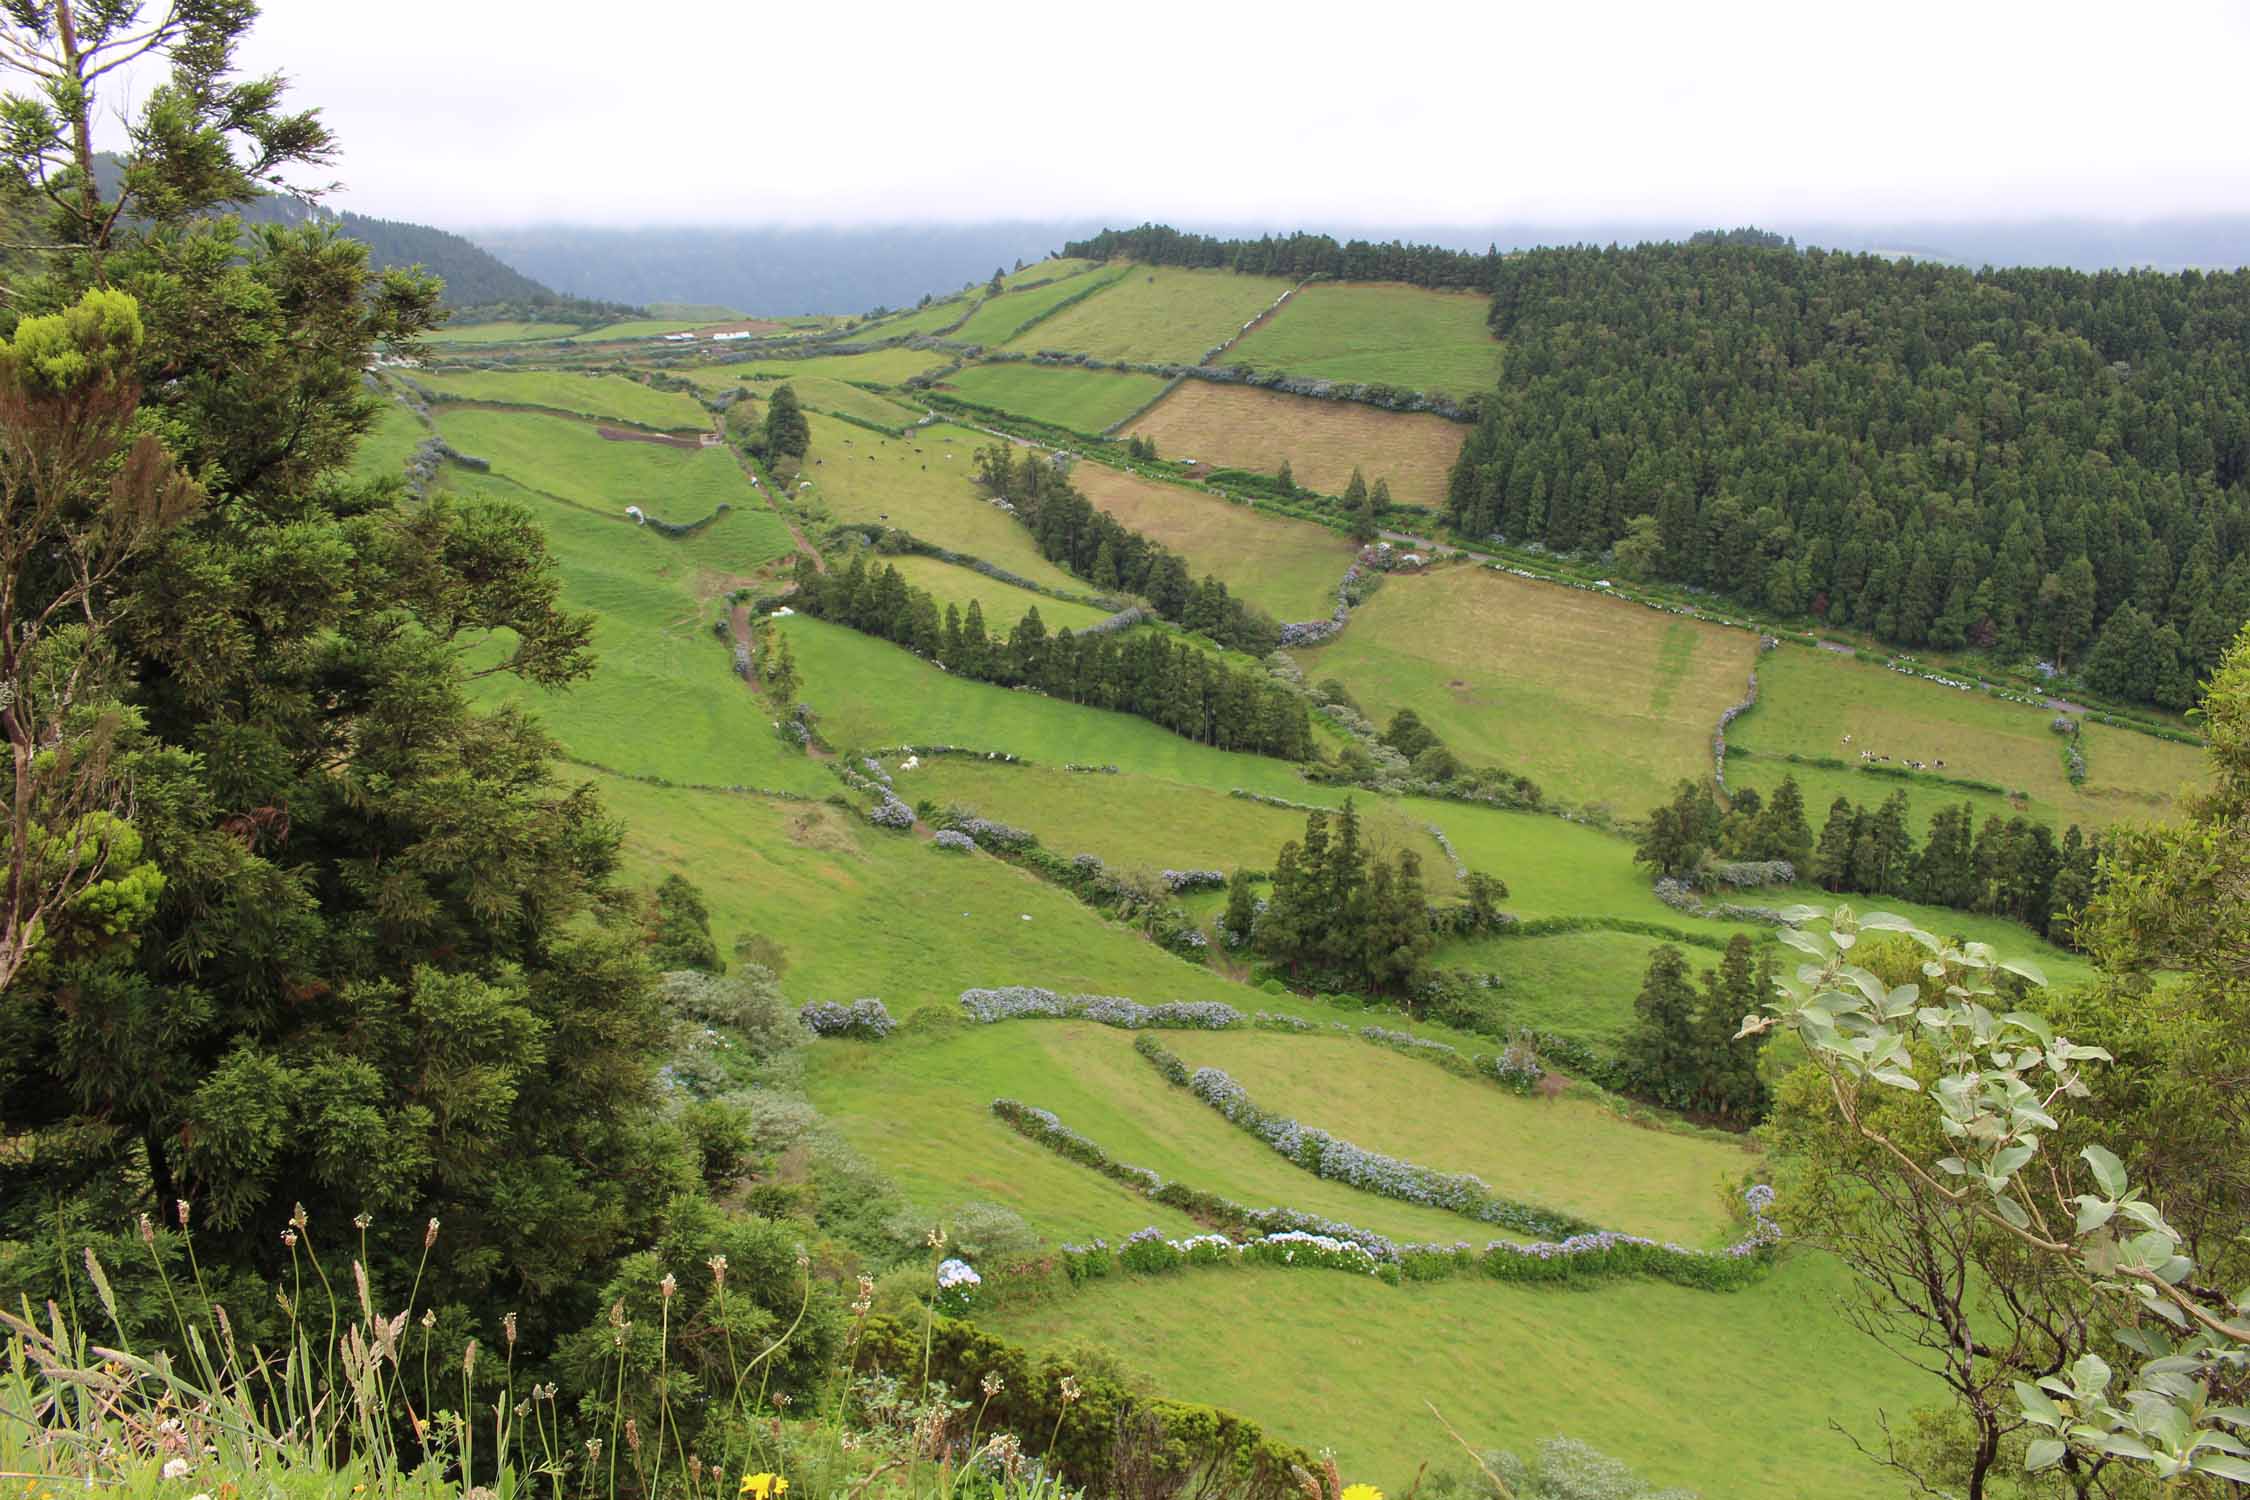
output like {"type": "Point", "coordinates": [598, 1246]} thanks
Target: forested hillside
{"type": "Point", "coordinates": [2026, 460]}
{"type": "Point", "coordinates": [1299, 255]}
{"type": "Point", "coordinates": [473, 276]}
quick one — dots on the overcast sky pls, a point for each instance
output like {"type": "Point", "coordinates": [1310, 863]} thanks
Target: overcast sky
{"type": "Point", "coordinates": [471, 113]}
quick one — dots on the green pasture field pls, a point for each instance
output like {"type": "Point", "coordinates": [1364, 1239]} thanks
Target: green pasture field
{"type": "Point", "coordinates": [1810, 700]}
{"type": "Point", "coordinates": [383, 452]}
{"type": "Point", "coordinates": [1003, 603]}
{"type": "Point", "coordinates": [643, 328]}
{"type": "Point", "coordinates": [1575, 984]}
{"type": "Point", "coordinates": [663, 699]}
{"type": "Point", "coordinates": [1288, 568]}
{"type": "Point", "coordinates": [923, 1113]}
{"type": "Point", "coordinates": [826, 394]}
{"type": "Point", "coordinates": [1049, 270]}
{"type": "Point", "coordinates": [1379, 333]}
{"type": "Point", "coordinates": [1731, 1394]}
{"type": "Point", "coordinates": [872, 693]}
{"type": "Point", "coordinates": [879, 366]}
{"type": "Point", "coordinates": [571, 459]}
{"type": "Point", "coordinates": [586, 395]}
{"type": "Point", "coordinates": [1157, 314]}
{"type": "Point", "coordinates": [858, 910]}
{"type": "Point", "coordinates": [1242, 427]}
{"type": "Point", "coordinates": [1088, 401]}
{"type": "Point", "coordinates": [864, 476]}
{"type": "Point", "coordinates": [1566, 1153]}
{"type": "Point", "coordinates": [1170, 826]}
{"type": "Point", "coordinates": [498, 333]}
{"type": "Point", "coordinates": [941, 313]}
{"type": "Point", "coordinates": [1597, 701]}
{"type": "Point", "coordinates": [999, 319]}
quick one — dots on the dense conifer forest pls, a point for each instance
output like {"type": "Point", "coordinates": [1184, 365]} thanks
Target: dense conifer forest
{"type": "Point", "coordinates": [2032, 461]}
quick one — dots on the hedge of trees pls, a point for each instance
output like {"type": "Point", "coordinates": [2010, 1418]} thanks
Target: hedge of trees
{"type": "Point", "coordinates": [1297, 256]}
{"type": "Point", "coordinates": [1102, 550]}
{"type": "Point", "coordinates": [2025, 461]}
{"type": "Point", "coordinates": [1681, 1051]}
{"type": "Point", "coordinates": [1170, 682]}
{"type": "Point", "coordinates": [2012, 867]}
{"type": "Point", "coordinates": [1342, 916]}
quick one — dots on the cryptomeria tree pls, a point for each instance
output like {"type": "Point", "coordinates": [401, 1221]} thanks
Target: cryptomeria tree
{"type": "Point", "coordinates": [387, 971]}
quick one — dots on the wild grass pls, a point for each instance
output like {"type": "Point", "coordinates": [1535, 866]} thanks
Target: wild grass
{"type": "Point", "coordinates": [1171, 827]}
{"type": "Point", "coordinates": [498, 333]}
{"type": "Point", "coordinates": [999, 319]}
{"type": "Point", "coordinates": [921, 483]}
{"type": "Point", "coordinates": [1003, 604]}
{"type": "Point", "coordinates": [1242, 427]}
{"type": "Point", "coordinates": [586, 395]}
{"type": "Point", "coordinates": [879, 366]}
{"type": "Point", "coordinates": [1379, 333]}
{"type": "Point", "coordinates": [825, 393]}
{"type": "Point", "coordinates": [1157, 314]}
{"type": "Point", "coordinates": [383, 452]}
{"type": "Point", "coordinates": [1049, 270]}
{"type": "Point", "coordinates": [869, 692]}
{"type": "Point", "coordinates": [941, 313]}
{"type": "Point", "coordinates": [856, 910]}
{"type": "Point", "coordinates": [571, 459]}
{"type": "Point", "coordinates": [1088, 401]}
{"type": "Point", "coordinates": [1567, 1153]}
{"type": "Point", "coordinates": [1597, 701]}
{"type": "Point", "coordinates": [1810, 700]}
{"type": "Point", "coordinates": [1730, 1395]}
{"type": "Point", "coordinates": [1288, 568]}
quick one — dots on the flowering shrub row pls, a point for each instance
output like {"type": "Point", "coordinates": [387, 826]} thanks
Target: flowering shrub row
{"type": "Point", "coordinates": [949, 839]}
{"type": "Point", "coordinates": [1325, 1155]}
{"type": "Point", "coordinates": [1017, 1002]}
{"type": "Point", "coordinates": [1678, 895]}
{"type": "Point", "coordinates": [1180, 882]}
{"type": "Point", "coordinates": [1744, 873]}
{"type": "Point", "coordinates": [989, 833]}
{"type": "Point", "coordinates": [1453, 855]}
{"type": "Point", "coordinates": [1719, 735]}
{"type": "Point", "coordinates": [867, 1019]}
{"type": "Point", "coordinates": [1586, 1256]}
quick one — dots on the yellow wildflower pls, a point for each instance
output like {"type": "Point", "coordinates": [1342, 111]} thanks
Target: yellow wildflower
{"type": "Point", "coordinates": [764, 1486]}
{"type": "Point", "coordinates": [1360, 1492]}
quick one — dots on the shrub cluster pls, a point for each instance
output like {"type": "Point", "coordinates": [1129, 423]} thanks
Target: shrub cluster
{"type": "Point", "coordinates": [988, 833]}
{"type": "Point", "coordinates": [1024, 1002]}
{"type": "Point", "coordinates": [948, 838]}
{"type": "Point", "coordinates": [867, 1019]}
{"type": "Point", "coordinates": [1180, 882]}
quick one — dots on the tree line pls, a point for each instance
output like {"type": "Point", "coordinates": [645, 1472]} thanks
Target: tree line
{"type": "Point", "coordinates": [1096, 546]}
{"type": "Point", "coordinates": [1681, 1051]}
{"type": "Point", "coordinates": [1143, 672]}
{"type": "Point", "coordinates": [2011, 867]}
{"type": "Point", "coordinates": [1297, 256]}
{"type": "Point", "coordinates": [2025, 462]}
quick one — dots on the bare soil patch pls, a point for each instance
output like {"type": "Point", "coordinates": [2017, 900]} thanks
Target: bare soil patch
{"type": "Point", "coordinates": [627, 435]}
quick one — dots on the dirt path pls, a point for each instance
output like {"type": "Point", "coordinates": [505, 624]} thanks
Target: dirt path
{"type": "Point", "coordinates": [804, 547]}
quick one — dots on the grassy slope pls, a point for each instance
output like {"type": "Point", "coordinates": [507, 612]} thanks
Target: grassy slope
{"type": "Point", "coordinates": [827, 394]}
{"type": "Point", "coordinates": [572, 460]}
{"type": "Point", "coordinates": [1621, 1176]}
{"type": "Point", "coordinates": [924, 1114]}
{"type": "Point", "coordinates": [1003, 603]}
{"type": "Point", "coordinates": [939, 314]}
{"type": "Point", "coordinates": [879, 366]}
{"type": "Point", "coordinates": [865, 476]}
{"type": "Point", "coordinates": [872, 693]}
{"type": "Point", "coordinates": [858, 910]}
{"type": "Point", "coordinates": [1240, 427]}
{"type": "Point", "coordinates": [383, 452]}
{"type": "Point", "coordinates": [1379, 334]}
{"type": "Point", "coordinates": [1288, 568]}
{"type": "Point", "coordinates": [1048, 270]}
{"type": "Point", "coordinates": [1172, 827]}
{"type": "Point", "coordinates": [664, 700]}
{"type": "Point", "coordinates": [998, 319]}
{"type": "Point", "coordinates": [1596, 701]}
{"type": "Point", "coordinates": [498, 333]}
{"type": "Point", "coordinates": [1810, 699]}
{"type": "Point", "coordinates": [1732, 1394]}
{"type": "Point", "coordinates": [1160, 314]}
{"type": "Point", "coordinates": [1082, 400]}
{"type": "Point", "coordinates": [588, 395]}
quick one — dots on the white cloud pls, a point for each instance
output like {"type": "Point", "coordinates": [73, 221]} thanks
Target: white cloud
{"type": "Point", "coordinates": [478, 112]}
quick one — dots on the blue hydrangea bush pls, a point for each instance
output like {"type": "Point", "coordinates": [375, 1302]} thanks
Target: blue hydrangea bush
{"type": "Point", "coordinates": [867, 1019]}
